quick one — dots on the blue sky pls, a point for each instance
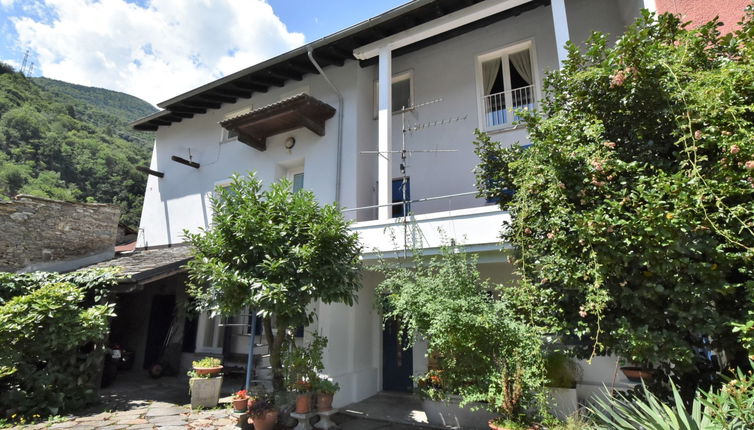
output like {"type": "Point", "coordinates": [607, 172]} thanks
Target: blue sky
{"type": "Point", "coordinates": [156, 49]}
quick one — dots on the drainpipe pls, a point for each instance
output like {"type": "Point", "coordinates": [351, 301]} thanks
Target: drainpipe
{"type": "Point", "coordinates": [340, 123]}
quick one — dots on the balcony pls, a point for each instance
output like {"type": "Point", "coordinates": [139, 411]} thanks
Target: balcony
{"type": "Point", "coordinates": [497, 115]}
{"type": "Point", "coordinates": [477, 229]}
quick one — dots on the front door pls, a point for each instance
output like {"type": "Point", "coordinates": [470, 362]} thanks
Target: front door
{"type": "Point", "coordinates": [397, 363]}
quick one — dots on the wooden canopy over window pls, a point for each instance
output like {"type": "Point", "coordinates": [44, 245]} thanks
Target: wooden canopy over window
{"type": "Point", "coordinates": [302, 110]}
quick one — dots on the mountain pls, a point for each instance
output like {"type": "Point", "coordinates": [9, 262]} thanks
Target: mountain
{"type": "Point", "coordinates": [72, 142]}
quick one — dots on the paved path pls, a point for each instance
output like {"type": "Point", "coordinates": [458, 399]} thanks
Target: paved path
{"type": "Point", "coordinates": [139, 402]}
{"type": "Point", "coordinates": [168, 416]}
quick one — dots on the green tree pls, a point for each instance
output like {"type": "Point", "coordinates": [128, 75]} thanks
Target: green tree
{"type": "Point", "coordinates": [633, 210]}
{"type": "Point", "coordinates": [487, 352]}
{"type": "Point", "coordinates": [273, 251]}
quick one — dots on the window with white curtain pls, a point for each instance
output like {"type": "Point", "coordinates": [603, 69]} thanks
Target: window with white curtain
{"type": "Point", "coordinates": [507, 82]}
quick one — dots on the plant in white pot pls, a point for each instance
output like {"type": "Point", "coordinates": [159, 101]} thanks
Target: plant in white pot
{"type": "Point", "coordinates": [563, 373]}
{"type": "Point", "coordinates": [205, 382]}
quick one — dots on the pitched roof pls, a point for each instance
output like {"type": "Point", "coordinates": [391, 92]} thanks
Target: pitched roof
{"type": "Point", "coordinates": [144, 266]}
{"type": "Point", "coordinates": [332, 50]}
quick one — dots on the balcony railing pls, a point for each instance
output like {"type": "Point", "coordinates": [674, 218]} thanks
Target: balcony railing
{"type": "Point", "coordinates": [499, 108]}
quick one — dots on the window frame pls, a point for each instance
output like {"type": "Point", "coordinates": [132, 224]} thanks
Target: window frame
{"type": "Point", "coordinates": [503, 53]}
{"type": "Point", "coordinates": [397, 77]}
{"type": "Point", "coordinates": [225, 136]}
{"type": "Point", "coordinates": [292, 172]}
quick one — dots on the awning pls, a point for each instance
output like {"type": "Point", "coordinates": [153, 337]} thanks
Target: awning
{"type": "Point", "coordinates": [145, 266]}
{"type": "Point", "coordinates": [302, 110]}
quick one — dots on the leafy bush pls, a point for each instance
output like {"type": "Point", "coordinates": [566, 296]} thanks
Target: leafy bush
{"type": "Point", "coordinates": [487, 352]}
{"type": "Point", "coordinates": [52, 334]}
{"type": "Point", "coordinates": [629, 413]}
{"type": "Point", "coordinates": [730, 407]}
{"type": "Point", "coordinates": [633, 208]}
{"type": "Point", "coordinates": [301, 364]}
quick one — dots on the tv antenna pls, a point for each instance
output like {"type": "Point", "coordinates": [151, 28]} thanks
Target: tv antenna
{"type": "Point", "coordinates": [26, 66]}
{"type": "Point", "coordinates": [405, 153]}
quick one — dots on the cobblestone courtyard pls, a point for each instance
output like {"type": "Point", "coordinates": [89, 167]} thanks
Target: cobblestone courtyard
{"type": "Point", "coordinates": [136, 402]}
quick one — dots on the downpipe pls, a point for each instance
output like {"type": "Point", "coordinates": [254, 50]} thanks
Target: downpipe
{"type": "Point", "coordinates": [339, 149]}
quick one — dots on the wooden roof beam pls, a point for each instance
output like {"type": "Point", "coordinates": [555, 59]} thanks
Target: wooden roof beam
{"type": "Point", "coordinates": [250, 86]}
{"type": "Point", "coordinates": [187, 110]}
{"type": "Point", "coordinates": [267, 80]}
{"type": "Point", "coordinates": [202, 104]}
{"type": "Point", "coordinates": [244, 94]}
{"type": "Point", "coordinates": [214, 97]}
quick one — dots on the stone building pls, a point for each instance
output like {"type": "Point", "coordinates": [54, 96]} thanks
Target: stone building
{"type": "Point", "coordinates": [55, 236]}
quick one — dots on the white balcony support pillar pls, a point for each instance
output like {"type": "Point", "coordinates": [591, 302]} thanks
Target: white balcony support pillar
{"type": "Point", "coordinates": [560, 22]}
{"type": "Point", "coordinates": [650, 5]}
{"type": "Point", "coordinates": [384, 131]}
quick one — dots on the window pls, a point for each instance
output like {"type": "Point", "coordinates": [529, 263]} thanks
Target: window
{"type": "Point", "coordinates": [296, 176]}
{"type": "Point", "coordinates": [210, 334]}
{"type": "Point", "coordinates": [228, 135]}
{"type": "Point", "coordinates": [403, 93]}
{"type": "Point", "coordinates": [507, 83]}
{"type": "Point", "coordinates": [401, 210]}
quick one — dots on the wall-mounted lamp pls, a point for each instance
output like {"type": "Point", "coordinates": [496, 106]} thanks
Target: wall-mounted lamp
{"type": "Point", "coordinates": [290, 142]}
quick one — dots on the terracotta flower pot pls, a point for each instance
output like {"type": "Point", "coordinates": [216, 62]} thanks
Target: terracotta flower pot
{"type": "Point", "coordinates": [241, 405]}
{"type": "Point", "coordinates": [303, 403]}
{"type": "Point", "coordinates": [324, 401]}
{"type": "Point", "coordinates": [251, 402]}
{"type": "Point", "coordinates": [636, 374]}
{"type": "Point", "coordinates": [494, 426]}
{"type": "Point", "coordinates": [208, 370]}
{"type": "Point", "coordinates": [266, 421]}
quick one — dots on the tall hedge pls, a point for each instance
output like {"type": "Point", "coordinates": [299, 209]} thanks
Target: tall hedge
{"type": "Point", "coordinates": [52, 331]}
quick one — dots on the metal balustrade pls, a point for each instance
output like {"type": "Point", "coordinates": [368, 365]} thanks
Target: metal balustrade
{"type": "Point", "coordinates": [496, 111]}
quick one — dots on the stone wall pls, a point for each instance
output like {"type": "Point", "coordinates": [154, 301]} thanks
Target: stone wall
{"type": "Point", "coordinates": [51, 235]}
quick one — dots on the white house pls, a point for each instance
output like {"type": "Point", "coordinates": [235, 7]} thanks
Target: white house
{"type": "Point", "coordinates": [323, 113]}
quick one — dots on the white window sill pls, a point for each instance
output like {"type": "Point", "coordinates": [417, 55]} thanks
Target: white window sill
{"type": "Point", "coordinates": [505, 129]}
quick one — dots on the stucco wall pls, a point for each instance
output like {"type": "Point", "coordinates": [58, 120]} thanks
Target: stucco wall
{"type": "Point", "coordinates": [701, 11]}
{"type": "Point", "coordinates": [50, 235]}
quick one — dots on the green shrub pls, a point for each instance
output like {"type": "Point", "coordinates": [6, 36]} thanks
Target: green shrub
{"type": "Point", "coordinates": [650, 413]}
{"type": "Point", "coordinates": [487, 352]}
{"type": "Point", "coordinates": [52, 335]}
{"type": "Point", "coordinates": [729, 407]}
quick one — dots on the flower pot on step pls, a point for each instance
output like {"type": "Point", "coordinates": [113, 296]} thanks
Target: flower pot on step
{"type": "Point", "coordinates": [241, 405]}
{"type": "Point", "coordinates": [303, 403]}
{"type": "Point", "coordinates": [324, 401]}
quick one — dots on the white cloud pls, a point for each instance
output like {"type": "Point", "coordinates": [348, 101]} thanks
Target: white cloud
{"type": "Point", "coordinates": [154, 52]}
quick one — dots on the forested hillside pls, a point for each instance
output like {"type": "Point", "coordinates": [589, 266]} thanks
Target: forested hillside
{"type": "Point", "coordinates": [71, 142]}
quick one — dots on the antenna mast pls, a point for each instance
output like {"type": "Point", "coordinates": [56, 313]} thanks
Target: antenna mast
{"type": "Point", "coordinates": [405, 153]}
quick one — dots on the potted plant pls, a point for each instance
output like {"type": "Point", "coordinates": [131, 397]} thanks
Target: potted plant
{"type": "Point", "coordinates": [301, 365]}
{"type": "Point", "coordinates": [205, 382]}
{"type": "Point", "coordinates": [303, 390]}
{"type": "Point", "coordinates": [207, 366]}
{"type": "Point", "coordinates": [562, 374]}
{"type": "Point", "coordinates": [241, 401]}
{"type": "Point", "coordinates": [637, 373]}
{"type": "Point", "coordinates": [263, 414]}
{"type": "Point", "coordinates": [326, 389]}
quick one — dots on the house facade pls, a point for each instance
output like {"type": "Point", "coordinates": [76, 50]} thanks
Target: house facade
{"type": "Point", "coordinates": [335, 117]}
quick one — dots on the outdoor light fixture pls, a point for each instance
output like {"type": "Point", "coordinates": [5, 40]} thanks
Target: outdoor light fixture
{"type": "Point", "coordinates": [290, 142]}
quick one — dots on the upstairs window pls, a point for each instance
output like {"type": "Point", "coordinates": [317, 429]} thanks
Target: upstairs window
{"type": "Point", "coordinates": [507, 81]}
{"type": "Point", "coordinates": [401, 210]}
{"type": "Point", "coordinates": [403, 93]}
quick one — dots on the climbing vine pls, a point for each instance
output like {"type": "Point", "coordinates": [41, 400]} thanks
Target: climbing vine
{"type": "Point", "coordinates": [632, 214]}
